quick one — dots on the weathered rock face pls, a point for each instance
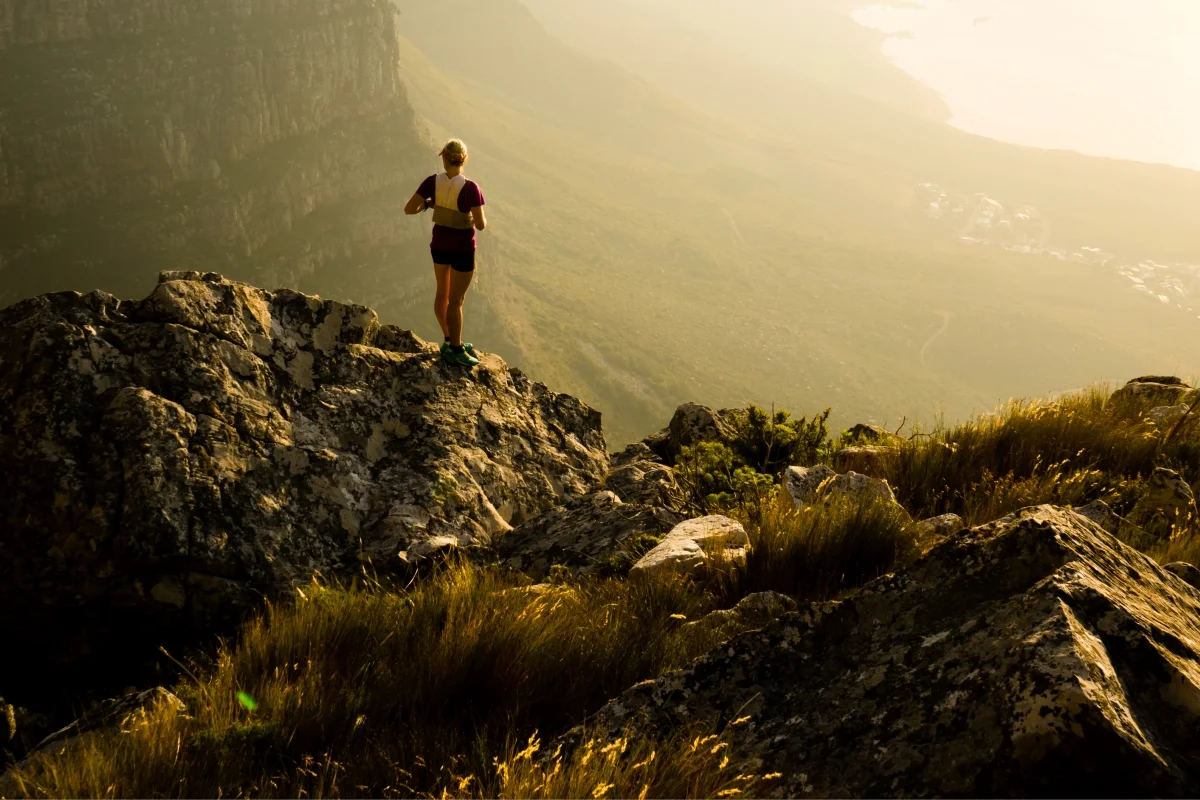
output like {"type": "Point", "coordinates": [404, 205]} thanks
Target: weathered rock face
{"type": "Point", "coordinates": [268, 139]}
{"type": "Point", "coordinates": [871, 460]}
{"type": "Point", "coordinates": [587, 534]}
{"type": "Point", "coordinates": [693, 543]}
{"type": "Point", "coordinates": [807, 485]}
{"type": "Point", "coordinates": [1035, 656]}
{"type": "Point", "coordinates": [1144, 394]}
{"type": "Point", "coordinates": [1167, 504]}
{"type": "Point", "coordinates": [638, 475]}
{"type": "Point", "coordinates": [178, 456]}
{"type": "Point", "coordinates": [934, 530]}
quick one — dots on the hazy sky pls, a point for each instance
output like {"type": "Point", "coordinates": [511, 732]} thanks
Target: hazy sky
{"type": "Point", "coordinates": [1106, 77]}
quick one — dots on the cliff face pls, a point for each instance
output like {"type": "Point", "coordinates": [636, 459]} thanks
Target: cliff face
{"type": "Point", "coordinates": [269, 138]}
{"type": "Point", "coordinates": [167, 461]}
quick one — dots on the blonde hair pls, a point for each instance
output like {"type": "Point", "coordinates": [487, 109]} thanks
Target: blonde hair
{"type": "Point", "coordinates": [455, 152]}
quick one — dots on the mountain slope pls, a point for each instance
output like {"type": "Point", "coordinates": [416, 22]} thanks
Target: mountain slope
{"type": "Point", "coordinates": [643, 252]}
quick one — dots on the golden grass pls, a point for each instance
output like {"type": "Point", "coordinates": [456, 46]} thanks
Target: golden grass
{"type": "Point", "coordinates": [1068, 451]}
{"type": "Point", "coordinates": [370, 692]}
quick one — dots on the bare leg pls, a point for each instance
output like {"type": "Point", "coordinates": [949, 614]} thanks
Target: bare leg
{"type": "Point", "coordinates": [459, 283]}
{"type": "Point", "coordinates": [440, 300]}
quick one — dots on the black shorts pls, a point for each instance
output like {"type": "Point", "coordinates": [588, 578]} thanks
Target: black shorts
{"type": "Point", "coordinates": [460, 262]}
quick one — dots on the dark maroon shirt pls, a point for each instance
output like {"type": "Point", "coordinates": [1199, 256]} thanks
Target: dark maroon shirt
{"type": "Point", "coordinates": [453, 239]}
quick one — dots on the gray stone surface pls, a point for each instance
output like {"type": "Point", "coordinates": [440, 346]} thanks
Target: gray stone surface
{"type": "Point", "coordinates": [693, 543]}
{"type": "Point", "coordinates": [1166, 504]}
{"type": "Point", "coordinates": [1034, 656]}
{"type": "Point", "coordinates": [638, 475]}
{"type": "Point", "coordinates": [587, 534]}
{"type": "Point", "coordinates": [808, 485]}
{"type": "Point", "coordinates": [933, 530]}
{"type": "Point", "coordinates": [185, 454]}
{"type": "Point", "coordinates": [1142, 394]}
{"type": "Point", "coordinates": [752, 611]}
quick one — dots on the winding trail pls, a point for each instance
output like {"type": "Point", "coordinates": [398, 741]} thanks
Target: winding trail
{"type": "Point", "coordinates": [946, 317]}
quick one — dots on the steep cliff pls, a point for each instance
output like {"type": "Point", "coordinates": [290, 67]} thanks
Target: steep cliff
{"type": "Point", "coordinates": [271, 139]}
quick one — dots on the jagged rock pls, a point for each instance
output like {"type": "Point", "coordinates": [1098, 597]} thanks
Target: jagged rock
{"type": "Point", "coordinates": [1034, 656]}
{"type": "Point", "coordinates": [806, 485]}
{"type": "Point", "coordinates": [863, 432]}
{"type": "Point", "coordinates": [1167, 504]}
{"type": "Point", "coordinates": [693, 423]}
{"type": "Point", "coordinates": [178, 457]}
{"type": "Point", "coordinates": [1143, 394]}
{"type": "Point", "coordinates": [932, 531]}
{"type": "Point", "coordinates": [107, 714]}
{"type": "Point", "coordinates": [803, 483]}
{"type": "Point", "coordinates": [1184, 571]}
{"type": "Point", "coordinates": [753, 610]}
{"type": "Point", "coordinates": [1167, 417]}
{"type": "Point", "coordinates": [693, 543]}
{"type": "Point", "coordinates": [113, 712]}
{"type": "Point", "coordinates": [1100, 513]}
{"type": "Point", "coordinates": [639, 476]}
{"type": "Point", "coordinates": [585, 535]}
{"type": "Point", "coordinates": [871, 460]}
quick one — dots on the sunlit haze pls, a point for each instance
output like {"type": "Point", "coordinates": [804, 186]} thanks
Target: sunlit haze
{"type": "Point", "coordinates": [1115, 78]}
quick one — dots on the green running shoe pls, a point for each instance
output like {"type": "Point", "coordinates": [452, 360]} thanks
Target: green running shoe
{"type": "Point", "coordinates": [470, 348]}
{"type": "Point", "coordinates": [461, 357]}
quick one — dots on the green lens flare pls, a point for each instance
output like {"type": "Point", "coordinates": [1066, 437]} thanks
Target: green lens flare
{"type": "Point", "coordinates": [247, 701]}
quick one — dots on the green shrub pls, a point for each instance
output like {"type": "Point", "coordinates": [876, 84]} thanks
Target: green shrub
{"type": "Point", "coordinates": [771, 442]}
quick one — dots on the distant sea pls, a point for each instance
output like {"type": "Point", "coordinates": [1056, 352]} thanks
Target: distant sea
{"type": "Point", "coordinates": [1117, 78]}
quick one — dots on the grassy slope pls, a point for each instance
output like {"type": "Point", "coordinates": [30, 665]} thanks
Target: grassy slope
{"type": "Point", "coordinates": [644, 252]}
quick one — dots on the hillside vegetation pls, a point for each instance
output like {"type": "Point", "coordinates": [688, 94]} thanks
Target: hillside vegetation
{"type": "Point", "coordinates": [455, 685]}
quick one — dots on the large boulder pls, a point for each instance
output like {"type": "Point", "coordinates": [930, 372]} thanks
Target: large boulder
{"type": "Point", "coordinates": [1034, 656]}
{"type": "Point", "coordinates": [692, 544]}
{"type": "Point", "coordinates": [692, 423]}
{"type": "Point", "coordinates": [588, 534]}
{"type": "Point", "coordinates": [1141, 395]}
{"type": "Point", "coordinates": [874, 461]}
{"type": "Point", "coordinates": [1167, 504]}
{"type": "Point", "coordinates": [806, 486]}
{"type": "Point", "coordinates": [171, 460]}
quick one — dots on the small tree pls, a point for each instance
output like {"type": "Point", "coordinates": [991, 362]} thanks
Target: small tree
{"type": "Point", "coordinates": [771, 442]}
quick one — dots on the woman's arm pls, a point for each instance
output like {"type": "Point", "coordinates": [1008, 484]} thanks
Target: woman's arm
{"type": "Point", "coordinates": [478, 218]}
{"type": "Point", "coordinates": [415, 205]}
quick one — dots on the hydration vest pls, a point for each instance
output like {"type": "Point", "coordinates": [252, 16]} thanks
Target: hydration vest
{"type": "Point", "coordinates": [445, 203]}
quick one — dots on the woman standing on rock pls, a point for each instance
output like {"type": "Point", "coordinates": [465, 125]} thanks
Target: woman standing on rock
{"type": "Point", "coordinates": [457, 205]}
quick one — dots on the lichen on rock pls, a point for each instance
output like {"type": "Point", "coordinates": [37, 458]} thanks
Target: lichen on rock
{"type": "Point", "coordinates": [1036, 655]}
{"type": "Point", "coordinates": [181, 456]}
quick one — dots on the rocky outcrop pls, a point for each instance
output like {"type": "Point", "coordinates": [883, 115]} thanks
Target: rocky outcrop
{"type": "Point", "coordinates": [593, 533]}
{"type": "Point", "coordinates": [271, 140]}
{"type": "Point", "coordinates": [177, 457]}
{"type": "Point", "coordinates": [692, 544]}
{"type": "Point", "coordinates": [1034, 656]}
{"type": "Point", "coordinates": [934, 530]}
{"type": "Point", "coordinates": [808, 485]}
{"type": "Point", "coordinates": [1166, 505]}
{"type": "Point", "coordinates": [638, 475]}
{"type": "Point", "coordinates": [1141, 395]}
{"type": "Point", "coordinates": [752, 611]}
{"type": "Point", "coordinates": [874, 461]}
